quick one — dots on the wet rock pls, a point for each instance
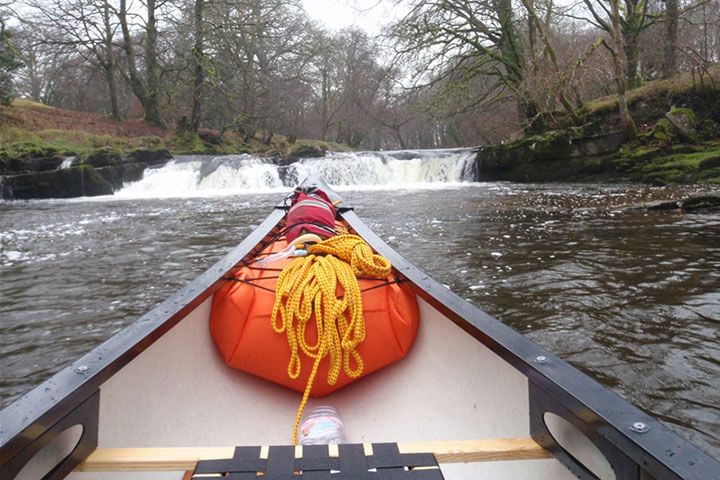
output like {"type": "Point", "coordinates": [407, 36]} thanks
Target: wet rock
{"type": "Point", "coordinates": [684, 123]}
{"type": "Point", "coordinates": [132, 172]}
{"type": "Point", "coordinates": [302, 151]}
{"type": "Point", "coordinates": [38, 161]}
{"type": "Point", "coordinates": [137, 161]}
{"type": "Point", "coordinates": [149, 157]}
{"type": "Point", "coordinates": [709, 129]}
{"type": "Point", "coordinates": [101, 158]}
{"type": "Point", "coordinates": [698, 204]}
{"type": "Point", "coordinates": [64, 183]}
{"type": "Point", "coordinates": [702, 204]}
{"type": "Point", "coordinates": [555, 156]}
{"type": "Point", "coordinates": [101, 172]}
{"type": "Point", "coordinates": [663, 205]}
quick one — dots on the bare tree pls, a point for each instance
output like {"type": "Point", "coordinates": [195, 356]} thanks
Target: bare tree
{"type": "Point", "coordinates": [147, 89]}
{"type": "Point", "coordinates": [458, 40]}
{"type": "Point", "coordinates": [619, 64]}
{"type": "Point", "coordinates": [85, 26]}
{"type": "Point", "coordinates": [198, 58]}
{"type": "Point", "coordinates": [9, 62]}
{"type": "Point", "coordinates": [536, 24]}
{"type": "Point", "coordinates": [670, 49]}
{"type": "Point", "coordinates": [632, 20]}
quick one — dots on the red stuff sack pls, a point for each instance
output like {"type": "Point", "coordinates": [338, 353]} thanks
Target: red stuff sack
{"type": "Point", "coordinates": [311, 212]}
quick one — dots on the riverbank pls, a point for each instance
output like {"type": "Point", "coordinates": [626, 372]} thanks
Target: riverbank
{"type": "Point", "coordinates": [678, 141]}
{"type": "Point", "coordinates": [30, 128]}
{"type": "Point", "coordinates": [47, 152]}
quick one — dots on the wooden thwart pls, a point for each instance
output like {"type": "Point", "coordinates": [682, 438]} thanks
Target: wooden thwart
{"type": "Point", "coordinates": [185, 458]}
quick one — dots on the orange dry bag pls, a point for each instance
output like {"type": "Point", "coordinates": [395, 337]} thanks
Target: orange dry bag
{"type": "Point", "coordinates": [241, 327]}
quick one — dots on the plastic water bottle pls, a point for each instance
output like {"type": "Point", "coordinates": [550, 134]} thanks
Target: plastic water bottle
{"type": "Point", "coordinates": [322, 426]}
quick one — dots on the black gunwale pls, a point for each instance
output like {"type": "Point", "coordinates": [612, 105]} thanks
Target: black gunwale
{"type": "Point", "coordinates": [659, 451]}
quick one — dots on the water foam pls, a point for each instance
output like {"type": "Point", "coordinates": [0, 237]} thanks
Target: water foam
{"type": "Point", "coordinates": [242, 174]}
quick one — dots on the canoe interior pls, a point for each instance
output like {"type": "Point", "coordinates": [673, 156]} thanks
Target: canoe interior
{"type": "Point", "coordinates": [162, 383]}
{"type": "Point", "coordinates": [179, 393]}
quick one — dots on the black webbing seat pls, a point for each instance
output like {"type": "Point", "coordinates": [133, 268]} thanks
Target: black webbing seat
{"type": "Point", "coordinates": [386, 463]}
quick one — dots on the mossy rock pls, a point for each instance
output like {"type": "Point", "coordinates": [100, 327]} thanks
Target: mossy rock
{"type": "Point", "coordinates": [105, 157]}
{"type": "Point", "coordinates": [684, 124]}
{"type": "Point", "coordinates": [711, 175]}
{"type": "Point", "coordinates": [688, 113]}
{"type": "Point", "coordinates": [35, 160]}
{"type": "Point", "coordinates": [65, 183]}
{"type": "Point", "coordinates": [710, 162]}
{"type": "Point", "coordinates": [663, 131]}
{"type": "Point", "coordinates": [709, 129]}
{"type": "Point", "coordinates": [702, 203]}
{"type": "Point", "coordinates": [665, 177]}
{"type": "Point", "coordinates": [132, 172]}
{"type": "Point", "coordinates": [304, 150]}
{"type": "Point", "coordinates": [553, 145]}
{"type": "Point", "coordinates": [641, 153]}
{"type": "Point", "coordinates": [680, 164]}
{"type": "Point", "coordinates": [149, 157]}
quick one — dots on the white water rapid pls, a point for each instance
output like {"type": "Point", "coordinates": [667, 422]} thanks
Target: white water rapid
{"type": "Point", "coordinates": [187, 176]}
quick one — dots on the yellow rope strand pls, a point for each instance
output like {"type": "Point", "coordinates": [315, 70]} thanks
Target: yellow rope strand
{"type": "Point", "coordinates": [309, 284]}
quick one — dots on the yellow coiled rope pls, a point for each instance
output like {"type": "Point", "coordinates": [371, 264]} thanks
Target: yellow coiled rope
{"type": "Point", "coordinates": [309, 284]}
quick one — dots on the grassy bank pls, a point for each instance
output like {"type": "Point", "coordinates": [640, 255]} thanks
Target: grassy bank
{"type": "Point", "coordinates": [29, 128]}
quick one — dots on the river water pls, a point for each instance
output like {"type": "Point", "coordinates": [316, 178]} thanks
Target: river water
{"type": "Point", "coordinates": [629, 296]}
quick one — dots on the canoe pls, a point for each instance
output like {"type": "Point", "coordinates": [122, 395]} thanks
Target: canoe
{"type": "Point", "coordinates": [472, 399]}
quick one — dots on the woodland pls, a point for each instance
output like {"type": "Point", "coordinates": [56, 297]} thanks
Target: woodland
{"type": "Point", "coordinates": [446, 73]}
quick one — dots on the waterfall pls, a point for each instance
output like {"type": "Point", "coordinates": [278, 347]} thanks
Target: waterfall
{"type": "Point", "coordinates": [67, 163]}
{"type": "Point", "coordinates": [236, 174]}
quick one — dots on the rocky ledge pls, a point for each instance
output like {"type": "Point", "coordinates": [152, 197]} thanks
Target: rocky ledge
{"type": "Point", "coordinates": [677, 148]}
{"type": "Point", "coordinates": [698, 204]}
{"type": "Point", "coordinates": [44, 174]}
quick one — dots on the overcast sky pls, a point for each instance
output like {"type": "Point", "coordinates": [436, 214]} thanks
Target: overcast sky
{"type": "Point", "coordinates": [370, 15]}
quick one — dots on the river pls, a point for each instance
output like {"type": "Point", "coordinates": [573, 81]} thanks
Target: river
{"type": "Point", "coordinates": [629, 296]}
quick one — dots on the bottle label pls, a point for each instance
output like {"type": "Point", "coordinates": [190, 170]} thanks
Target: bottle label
{"type": "Point", "coordinates": [324, 429]}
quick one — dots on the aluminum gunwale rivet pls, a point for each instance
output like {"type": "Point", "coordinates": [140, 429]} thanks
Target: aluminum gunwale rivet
{"type": "Point", "coordinates": [639, 427]}
{"type": "Point", "coordinates": [541, 359]}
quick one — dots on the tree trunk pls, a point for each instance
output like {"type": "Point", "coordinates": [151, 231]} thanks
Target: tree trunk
{"type": "Point", "coordinates": [110, 64]}
{"type": "Point", "coordinates": [632, 62]}
{"type": "Point", "coordinates": [669, 66]}
{"type": "Point", "coordinates": [535, 23]}
{"type": "Point", "coordinates": [199, 73]}
{"type": "Point", "coordinates": [530, 112]}
{"type": "Point", "coordinates": [325, 99]}
{"type": "Point", "coordinates": [532, 44]}
{"type": "Point", "coordinates": [511, 49]}
{"type": "Point", "coordinates": [146, 94]}
{"type": "Point", "coordinates": [152, 112]}
{"type": "Point", "coordinates": [35, 77]}
{"type": "Point", "coordinates": [112, 90]}
{"type": "Point", "coordinates": [619, 65]}
{"type": "Point", "coordinates": [511, 46]}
